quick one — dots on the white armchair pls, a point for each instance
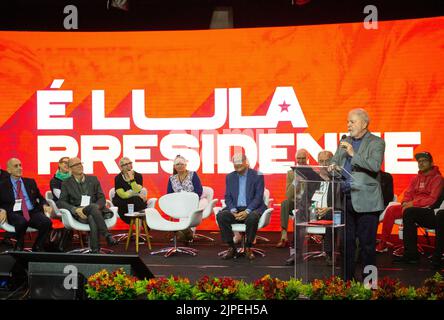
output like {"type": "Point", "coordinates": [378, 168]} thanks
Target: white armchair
{"type": "Point", "coordinates": [70, 223]}
{"type": "Point", "coordinates": [182, 206]}
{"type": "Point", "coordinates": [50, 199]}
{"type": "Point", "coordinates": [206, 203]}
{"type": "Point", "coordinates": [11, 229]}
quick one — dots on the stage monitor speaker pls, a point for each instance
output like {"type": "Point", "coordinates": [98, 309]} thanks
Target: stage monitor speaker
{"type": "Point", "coordinates": [11, 274]}
{"type": "Point", "coordinates": [47, 272]}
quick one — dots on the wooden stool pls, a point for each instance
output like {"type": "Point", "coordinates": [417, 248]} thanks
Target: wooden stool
{"type": "Point", "coordinates": [137, 219]}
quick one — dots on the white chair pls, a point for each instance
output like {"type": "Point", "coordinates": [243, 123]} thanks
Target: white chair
{"type": "Point", "coordinates": [50, 199]}
{"type": "Point", "coordinates": [150, 204]}
{"type": "Point", "coordinates": [179, 205]}
{"type": "Point", "coordinates": [241, 227]}
{"type": "Point", "coordinates": [70, 223]}
{"type": "Point", "coordinates": [206, 203]}
{"type": "Point", "coordinates": [11, 229]}
{"type": "Point", "coordinates": [267, 201]}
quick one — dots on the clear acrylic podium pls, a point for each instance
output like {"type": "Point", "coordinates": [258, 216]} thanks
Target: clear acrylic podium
{"type": "Point", "coordinates": [319, 224]}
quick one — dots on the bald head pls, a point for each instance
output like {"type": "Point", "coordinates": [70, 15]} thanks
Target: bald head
{"type": "Point", "coordinates": [324, 157]}
{"type": "Point", "coordinates": [302, 157]}
{"type": "Point", "coordinates": [14, 167]}
{"type": "Point", "coordinates": [76, 166]}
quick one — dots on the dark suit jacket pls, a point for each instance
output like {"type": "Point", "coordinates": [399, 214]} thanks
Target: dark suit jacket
{"type": "Point", "coordinates": [254, 192]}
{"type": "Point", "coordinates": [3, 174]}
{"type": "Point", "coordinates": [7, 199]}
{"type": "Point", "coordinates": [71, 195]}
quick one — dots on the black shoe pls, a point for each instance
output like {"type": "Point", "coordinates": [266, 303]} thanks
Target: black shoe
{"type": "Point", "coordinates": [111, 241]}
{"type": "Point", "coordinates": [231, 254]}
{"type": "Point", "coordinates": [406, 260]}
{"type": "Point", "coordinates": [95, 251]}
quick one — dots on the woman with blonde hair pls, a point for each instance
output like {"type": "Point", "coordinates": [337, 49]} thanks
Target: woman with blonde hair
{"type": "Point", "coordinates": [128, 185]}
{"type": "Point", "coordinates": [184, 180]}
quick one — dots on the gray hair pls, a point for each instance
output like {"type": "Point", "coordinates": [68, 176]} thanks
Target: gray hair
{"type": "Point", "coordinates": [239, 158]}
{"type": "Point", "coordinates": [361, 113]}
{"type": "Point", "coordinates": [122, 160]}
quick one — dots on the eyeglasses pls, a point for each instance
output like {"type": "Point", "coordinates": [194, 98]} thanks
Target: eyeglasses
{"type": "Point", "coordinates": [64, 162]}
{"type": "Point", "coordinates": [126, 164]}
{"type": "Point", "coordinates": [179, 164]}
{"type": "Point", "coordinates": [76, 164]}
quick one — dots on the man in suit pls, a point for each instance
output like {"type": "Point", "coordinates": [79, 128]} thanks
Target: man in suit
{"type": "Point", "coordinates": [361, 154]}
{"type": "Point", "coordinates": [82, 195]}
{"type": "Point", "coordinates": [24, 205]}
{"type": "Point", "coordinates": [244, 198]}
{"type": "Point", "coordinates": [287, 205]}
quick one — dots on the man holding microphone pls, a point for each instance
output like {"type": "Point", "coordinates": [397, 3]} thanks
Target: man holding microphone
{"type": "Point", "coordinates": [361, 154]}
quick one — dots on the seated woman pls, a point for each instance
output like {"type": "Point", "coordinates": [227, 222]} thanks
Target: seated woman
{"type": "Point", "coordinates": [184, 180]}
{"type": "Point", "coordinates": [128, 185]}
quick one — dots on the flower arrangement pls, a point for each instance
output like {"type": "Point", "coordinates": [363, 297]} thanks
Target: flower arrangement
{"type": "Point", "coordinates": [272, 288]}
{"type": "Point", "coordinates": [172, 288]}
{"type": "Point", "coordinates": [433, 289]}
{"type": "Point", "coordinates": [118, 285]}
{"type": "Point", "coordinates": [111, 286]}
{"type": "Point", "coordinates": [215, 289]}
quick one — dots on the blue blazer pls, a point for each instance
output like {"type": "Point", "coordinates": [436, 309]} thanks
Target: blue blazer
{"type": "Point", "coordinates": [255, 191]}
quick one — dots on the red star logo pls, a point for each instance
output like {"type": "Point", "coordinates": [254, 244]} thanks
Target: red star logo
{"type": "Point", "coordinates": [284, 106]}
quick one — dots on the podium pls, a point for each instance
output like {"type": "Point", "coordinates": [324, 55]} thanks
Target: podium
{"type": "Point", "coordinates": [319, 223]}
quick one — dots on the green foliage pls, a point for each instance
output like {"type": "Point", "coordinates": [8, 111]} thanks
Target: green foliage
{"type": "Point", "coordinates": [118, 286]}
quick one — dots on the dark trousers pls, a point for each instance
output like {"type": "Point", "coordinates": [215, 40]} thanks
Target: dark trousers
{"type": "Point", "coordinates": [96, 224]}
{"type": "Point", "coordinates": [426, 218]}
{"type": "Point", "coordinates": [37, 220]}
{"type": "Point", "coordinates": [362, 226]}
{"type": "Point", "coordinates": [122, 206]}
{"type": "Point", "coordinates": [225, 219]}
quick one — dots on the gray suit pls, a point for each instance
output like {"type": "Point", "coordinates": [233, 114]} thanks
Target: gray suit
{"type": "Point", "coordinates": [96, 211]}
{"type": "Point", "coordinates": [365, 201]}
{"type": "Point", "coordinates": [366, 193]}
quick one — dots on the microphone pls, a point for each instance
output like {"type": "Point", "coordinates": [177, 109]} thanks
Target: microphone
{"type": "Point", "coordinates": [343, 138]}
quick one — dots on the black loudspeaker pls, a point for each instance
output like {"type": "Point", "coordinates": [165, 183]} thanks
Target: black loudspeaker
{"type": "Point", "coordinates": [11, 275]}
{"type": "Point", "coordinates": [51, 275]}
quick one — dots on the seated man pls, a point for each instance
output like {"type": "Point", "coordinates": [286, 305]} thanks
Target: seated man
{"type": "Point", "coordinates": [423, 191]}
{"type": "Point", "coordinates": [82, 195]}
{"type": "Point", "coordinates": [61, 175]}
{"type": "Point", "coordinates": [287, 205]}
{"type": "Point", "coordinates": [415, 216]}
{"type": "Point", "coordinates": [24, 206]}
{"type": "Point", "coordinates": [244, 199]}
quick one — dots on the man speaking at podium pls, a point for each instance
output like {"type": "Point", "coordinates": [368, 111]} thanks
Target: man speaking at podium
{"type": "Point", "coordinates": [361, 154]}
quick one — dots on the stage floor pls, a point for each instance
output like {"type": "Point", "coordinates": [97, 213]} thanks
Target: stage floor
{"type": "Point", "coordinates": [207, 262]}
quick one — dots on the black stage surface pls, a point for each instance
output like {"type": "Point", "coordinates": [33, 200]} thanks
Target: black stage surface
{"type": "Point", "coordinates": [207, 262]}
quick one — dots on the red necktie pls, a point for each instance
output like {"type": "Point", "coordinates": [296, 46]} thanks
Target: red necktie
{"type": "Point", "coordinates": [20, 196]}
